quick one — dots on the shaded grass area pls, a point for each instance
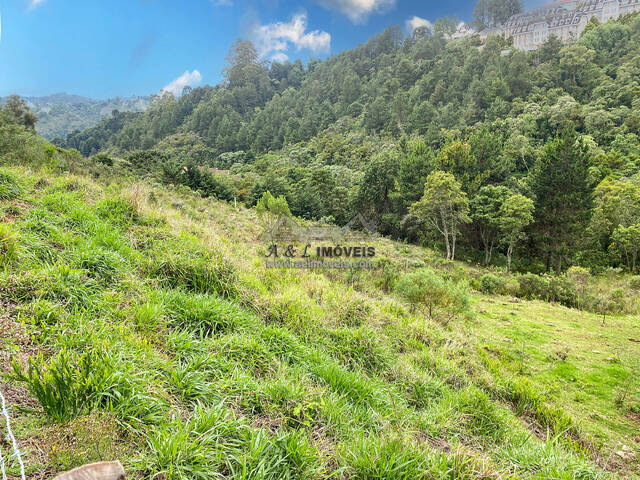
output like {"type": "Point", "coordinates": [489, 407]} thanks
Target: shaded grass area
{"type": "Point", "coordinates": [152, 319]}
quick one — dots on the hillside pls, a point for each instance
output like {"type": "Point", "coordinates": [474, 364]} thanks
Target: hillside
{"type": "Point", "coordinates": [61, 114]}
{"type": "Point", "coordinates": [482, 321]}
{"type": "Point", "coordinates": [362, 132]}
{"type": "Point", "coordinates": [143, 325]}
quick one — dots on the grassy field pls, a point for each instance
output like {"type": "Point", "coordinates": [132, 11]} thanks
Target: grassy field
{"type": "Point", "coordinates": [584, 362]}
{"type": "Point", "coordinates": [139, 323]}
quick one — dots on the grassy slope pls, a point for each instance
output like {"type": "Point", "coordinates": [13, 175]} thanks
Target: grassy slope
{"type": "Point", "coordinates": [202, 362]}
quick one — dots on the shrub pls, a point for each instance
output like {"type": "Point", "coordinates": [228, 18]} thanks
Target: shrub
{"type": "Point", "coordinates": [634, 282]}
{"type": "Point", "coordinates": [424, 288]}
{"type": "Point", "coordinates": [492, 284]}
{"type": "Point", "coordinates": [578, 275]}
{"type": "Point", "coordinates": [562, 290]}
{"type": "Point", "coordinates": [533, 286]}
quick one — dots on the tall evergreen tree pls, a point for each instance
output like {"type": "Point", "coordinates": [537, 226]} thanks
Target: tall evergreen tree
{"type": "Point", "coordinates": [563, 198]}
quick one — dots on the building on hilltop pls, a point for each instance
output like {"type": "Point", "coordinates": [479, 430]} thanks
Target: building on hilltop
{"type": "Point", "coordinates": [566, 19]}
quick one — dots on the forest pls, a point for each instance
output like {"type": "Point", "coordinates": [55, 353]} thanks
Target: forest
{"type": "Point", "coordinates": [533, 157]}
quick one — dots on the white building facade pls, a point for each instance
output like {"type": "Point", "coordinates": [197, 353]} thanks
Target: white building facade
{"type": "Point", "coordinates": [566, 19]}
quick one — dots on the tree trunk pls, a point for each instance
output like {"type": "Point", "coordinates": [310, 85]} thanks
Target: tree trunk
{"type": "Point", "coordinates": [453, 247]}
{"type": "Point", "coordinates": [445, 232]}
{"type": "Point", "coordinates": [509, 253]}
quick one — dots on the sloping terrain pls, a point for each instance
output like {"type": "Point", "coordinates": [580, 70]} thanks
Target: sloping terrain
{"type": "Point", "coordinates": [61, 114]}
{"type": "Point", "coordinates": [139, 323]}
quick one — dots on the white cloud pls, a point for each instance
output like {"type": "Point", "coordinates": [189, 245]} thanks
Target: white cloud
{"type": "Point", "coordinates": [280, 57]}
{"type": "Point", "coordinates": [358, 10]}
{"type": "Point", "coordinates": [190, 79]}
{"type": "Point", "coordinates": [414, 23]}
{"type": "Point", "coordinates": [35, 3]}
{"type": "Point", "coordinates": [274, 39]}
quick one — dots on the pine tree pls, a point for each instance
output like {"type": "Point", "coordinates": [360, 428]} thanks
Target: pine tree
{"type": "Point", "coordinates": [563, 197]}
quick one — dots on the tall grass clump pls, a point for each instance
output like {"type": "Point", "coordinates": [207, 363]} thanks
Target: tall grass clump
{"type": "Point", "coordinates": [119, 211]}
{"type": "Point", "coordinates": [9, 244]}
{"type": "Point", "coordinates": [213, 444]}
{"type": "Point", "coordinates": [198, 274]}
{"type": "Point", "coordinates": [71, 285]}
{"type": "Point", "coordinates": [202, 315]}
{"type": "Point", "coordinates": [65, 386]}
{"type": "Point", "coordinates": [99, 263]}
{"type": "Point", "coordinates": [377, 458]}
{"type": "Point", "coordinates": [10, 187]}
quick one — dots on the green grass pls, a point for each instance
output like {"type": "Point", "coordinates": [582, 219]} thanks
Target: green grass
{"type": "Point", "coordinates": [157, 324]}
{"type": "Point", "coordinates": [571, 360]}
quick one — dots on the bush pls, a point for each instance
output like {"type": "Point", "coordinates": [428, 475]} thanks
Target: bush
{"type": "Point", "coordinates": [424, 288]}
{"type": "Point", "coordinates": [533, 287]}
{"type": "Point", "coordinates": [555, 288]}
{"type": "Point", "coordinates": [562, 290]}
{"type": "Point", "coordinates": [492, 284]}
{"type": "Point", "coordinates": [634, 282]}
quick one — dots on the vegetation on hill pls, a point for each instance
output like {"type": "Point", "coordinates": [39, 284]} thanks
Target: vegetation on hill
{"type": "Point", "coordinates": [139, 321]}
{"type": "Point", "coordinates": [362, 131]}
{"type": "Point", "coordinates": [61, 114]}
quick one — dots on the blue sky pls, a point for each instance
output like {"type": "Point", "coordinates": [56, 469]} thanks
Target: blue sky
{"type": "Point", "coordinates": [107, 48]}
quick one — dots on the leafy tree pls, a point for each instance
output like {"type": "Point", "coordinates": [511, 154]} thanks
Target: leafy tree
{"type": "Point", "coordinates": [377, 183]}
{"type": "Point", "coordinates": [626, 241]}
{"type": "Point", "coordinates": [457, 159]}
{"type": "Point", "coordinates": [486, 213]}
{"type": "Point", "coordinates": [491, 13]}
{"type": "Point", "coordinates": [18, 110]}
{"type": "Point", "coordinates": [516, 213]}
{"type": "Point", "coordinates": [270, 209]}
{"type": "Point", "coordinates": [443, 207]}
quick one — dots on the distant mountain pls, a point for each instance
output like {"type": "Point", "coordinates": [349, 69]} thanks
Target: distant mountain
{"type": "Point", "coordinates": [60, 114]}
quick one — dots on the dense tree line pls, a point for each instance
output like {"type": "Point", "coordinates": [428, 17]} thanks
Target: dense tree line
{"type": "Point", "coordinates": [538, 151]}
